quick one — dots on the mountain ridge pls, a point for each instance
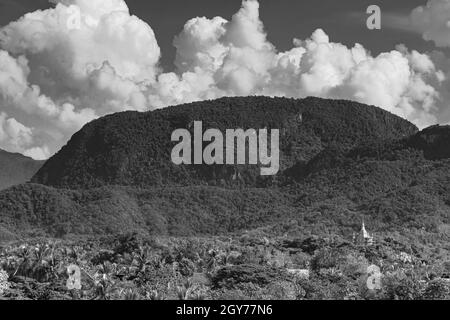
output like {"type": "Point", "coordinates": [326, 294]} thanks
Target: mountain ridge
{"type": "Point", "coordinates": [16, 168]}
{"type": "Point", "coordinates": [133, 149]}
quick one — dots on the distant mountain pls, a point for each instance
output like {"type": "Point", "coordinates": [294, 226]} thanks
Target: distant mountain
{"type": "Point", "coordinates": [16, 169]}
{"type": "Point", "coordinates": [133, 149]}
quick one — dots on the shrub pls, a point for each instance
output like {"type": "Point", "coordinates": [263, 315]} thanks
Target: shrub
{"type": "Point", "coordinates": [103, 256]}
{"type": "Point", "coordinates": [4, 284]}
{"type": "Point", "coordinates": [186, 267]}
{"type": "Point", "coordinates": [325, 259]}
{"type": "Point", "coordinates": [127, 243]}
{"type": "Point", "coordinates": [398, 286]}
{"type": "Point", "coordinates": [438, 289]}
{"type": "Point", "coordinates": [354, 266]}
{"type": "Point", "coordinates": [230, 276]}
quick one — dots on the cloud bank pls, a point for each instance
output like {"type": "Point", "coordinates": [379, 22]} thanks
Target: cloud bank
{"type": "Point", "coordinates": [65, 66]}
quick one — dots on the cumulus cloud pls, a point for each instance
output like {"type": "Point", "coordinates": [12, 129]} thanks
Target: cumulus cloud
{"type": "Point", "coordinates": [13, 133]}
{"type": "Point", "coordinates": [65, 66]}
{"type": "Point", "coordinates": [16, 137]}
{"type": "Point", "coordinates": [433, 21]}
{"type": "Point", "coordinates": [235, 58]}
{"type": "Point", "coordinates": [70, 64]}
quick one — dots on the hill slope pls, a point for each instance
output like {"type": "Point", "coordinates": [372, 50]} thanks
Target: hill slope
{"type": "Point", "coordinates": [16, 169]}
{"type": "Point", "coordinates": [133, 149]}
{"type": "Point", "coordinates": [413, 200]}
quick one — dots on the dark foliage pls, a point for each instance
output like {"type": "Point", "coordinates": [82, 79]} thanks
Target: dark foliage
{"type": "Point", "coordinates": [231, 276]}
{"type": "Point", "coordinates": [134, 148]}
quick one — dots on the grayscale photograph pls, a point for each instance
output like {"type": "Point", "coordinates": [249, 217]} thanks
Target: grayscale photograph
{"type": "Point", "coordinates": [224, 150]}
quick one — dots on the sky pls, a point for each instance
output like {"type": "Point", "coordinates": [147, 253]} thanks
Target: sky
{"type": "Point", "coordinates": [64, 63]}
{"type": "Point", "coordinates": [344, 20]}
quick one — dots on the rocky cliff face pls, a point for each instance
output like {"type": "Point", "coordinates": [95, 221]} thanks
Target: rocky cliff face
{"type": "Point", "coordinates": [16, 169]}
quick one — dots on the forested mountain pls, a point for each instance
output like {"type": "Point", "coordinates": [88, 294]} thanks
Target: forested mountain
{"type": "Point", "coordinates": [134, 149]}
{"type": "Point", "coordinates": [341, 161]}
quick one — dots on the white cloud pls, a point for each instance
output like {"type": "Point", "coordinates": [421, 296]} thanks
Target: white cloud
{"type": "Point", "coordinates": [37, 153]}
{"type": "Point", "coordinates": [13, 133]}
{"type": "Point", "coordinates": [16, 137]}
{"type": "Point", "coordinates": [65, 66]}
{"type": "Point", "coordinates": [433, 21]}
{"type": "Point", "coordinates": [236, 59]}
